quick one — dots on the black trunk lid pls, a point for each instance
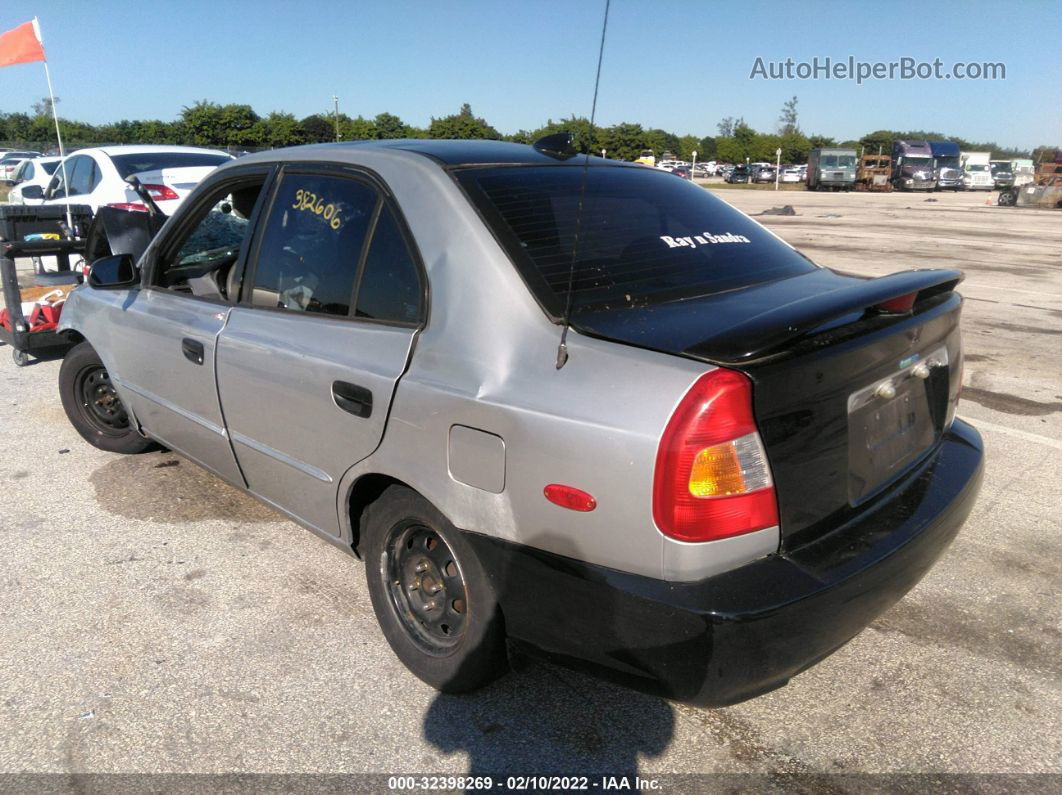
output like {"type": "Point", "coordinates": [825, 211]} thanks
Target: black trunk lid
{"type": "Point", "coordinates": [854, 378]}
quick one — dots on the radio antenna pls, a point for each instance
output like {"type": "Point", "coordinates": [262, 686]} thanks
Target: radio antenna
{"type": "Point", "coordinates": [562, 349]}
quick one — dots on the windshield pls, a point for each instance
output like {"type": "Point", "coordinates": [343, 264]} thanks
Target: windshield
{"type": "Point", "coordinates": [1001, 169]}
{"type": "Point", "coordinates": [977, 167]}
{"type": "Point", "coordinates": [644, 236]}
{"type": "Point", "coordinates": [156, 161]}
{"type": "Point", "coordinates": [948, 162]}
{"type": "Point", "coordinates": [838, 161]}
{"type": "Point", "coordinates": [9, 156]}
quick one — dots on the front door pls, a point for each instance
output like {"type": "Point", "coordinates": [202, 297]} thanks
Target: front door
{"type": "Point", "coordinates": [309, 361]}
{"type": "Point", "coordinates": [165, 337]}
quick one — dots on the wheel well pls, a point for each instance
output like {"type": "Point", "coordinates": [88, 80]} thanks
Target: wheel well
{"type": "Point", "coordinates": [73, 336]}
{"type": "Point", "coordinates": [364, 492]}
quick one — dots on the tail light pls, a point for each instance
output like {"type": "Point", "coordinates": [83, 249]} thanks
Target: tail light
{"type": "Point", "coordinates": [712, 478]}
{"type": "Point", "coordinates": [161, 193]}
{"type": "Point", "coordinates": [133, 207]}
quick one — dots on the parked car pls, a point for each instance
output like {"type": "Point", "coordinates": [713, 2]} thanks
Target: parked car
{"type": "Point", "coordinates": [10, 162]}
{"type": "Point", "coordinates": [666, 446]}
{"type": "Point", "coordinates": [738, 174]}
{"type": "Point", "coordinates": [703, 171]}
{"type": "Point", "coordinates": [37, 171]}
{"type": "Point", "coordinates": [763, 174]}
{"type": "Point", "coordinates": [98, 176]}
{"type": "Point", "coordinates": [793, 174]}
{"type": "Point", "coordinates": [682, 171]}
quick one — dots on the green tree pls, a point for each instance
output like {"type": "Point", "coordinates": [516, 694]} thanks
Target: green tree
{"type": "Point", "coordinates": [707, 148]}
{"type": "Point", "coordinates": [819, 141]}
{"type": "Point", "coordinates": [625, 141]}
{"type": "Point", "coordinates": [787, 121]}
{"type": "Point", "coordinates": [462, 124]}
{"type": "Point", "coordinates": [359, 129]}
{"type": "Point", "coordinates": [318, 129]}
{"type": "Point", "coordinates": [281, 129]}
{"type": "Point", "coordinates": [390, 126]}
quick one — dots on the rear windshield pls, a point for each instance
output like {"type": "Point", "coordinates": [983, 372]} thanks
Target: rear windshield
{"type": "Point", "coordinates": [645, 236]}
{"type": "Point", "coordinates": [156, 161]}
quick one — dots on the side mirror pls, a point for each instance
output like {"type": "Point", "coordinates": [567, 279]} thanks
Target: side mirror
{"type": "Point", "coordinates": [116, 272]}
{"type": "Point", "coordinates": [32, 192]}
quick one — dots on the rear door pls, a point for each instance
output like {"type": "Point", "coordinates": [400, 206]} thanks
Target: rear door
{"type": "Point", "coordinates": [309, 360]}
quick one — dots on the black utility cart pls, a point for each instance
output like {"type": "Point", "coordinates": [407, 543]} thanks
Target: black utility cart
{"type": "Point", "coordinates": [17, 222]}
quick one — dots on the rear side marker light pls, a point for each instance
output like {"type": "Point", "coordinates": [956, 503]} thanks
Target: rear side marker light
{"type": "Point", "coordinates": [568, 497]}
{"type": "Point", "coordinates": [134, 207]}
{"type": "Point", "coordinates": [712, 477]}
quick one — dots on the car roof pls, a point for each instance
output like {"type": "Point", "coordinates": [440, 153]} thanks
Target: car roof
{"type": "Point", "coordinates": [451, 154]}
{"type": "Point", "coordinates": [141, 149]}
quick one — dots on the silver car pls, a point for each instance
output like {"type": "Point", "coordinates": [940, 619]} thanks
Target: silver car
{"type": "Point", "coordinates": [566, 404]}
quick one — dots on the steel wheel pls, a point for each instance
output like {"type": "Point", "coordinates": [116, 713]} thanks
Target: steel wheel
{"type": "Point", "coordinates": [426, 587]}
{"type": "Point", "coordinates": [99, 402]}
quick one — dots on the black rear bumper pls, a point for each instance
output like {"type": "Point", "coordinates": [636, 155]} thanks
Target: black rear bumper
{"type": "Point", "coordinates": [742, 633]}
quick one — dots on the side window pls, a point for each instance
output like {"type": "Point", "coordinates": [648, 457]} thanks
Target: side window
{"type": "Point", "coordinates": [81, 176]}
{"type": "Point", "coordinates": [63, 173]}
{"type": "Point", "coordinates": [96, 176]}
{"type": "Point", "coordinates": [27, 171]}
{"type": "Point", "coordinates": [389, 287]}
{"type": "Point", "coordinates": [312, 244]}
{"type": "Point", "coordinates": [201, 261]}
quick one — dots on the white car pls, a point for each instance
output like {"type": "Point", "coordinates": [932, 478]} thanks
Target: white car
{"type": "Point", "coordinates": [37, 171]}
{"type": "Point", "coordinates": [10, 161]}
{"type": "Point", "coordinates": [792, 175]}
{"type": "Point", "coordinates": [97, 176]}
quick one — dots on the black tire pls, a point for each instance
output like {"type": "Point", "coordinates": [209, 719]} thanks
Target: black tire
{"type": "Point", "coordinates": [20, 358]}
{"type": "Point", "coordinates": [455, 642]}
{"type": "Point", "coordinates": [92, 405]}
{"type": "Point", "coordinates": [1007, 198]}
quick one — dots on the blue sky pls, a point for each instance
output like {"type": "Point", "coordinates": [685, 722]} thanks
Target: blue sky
{"type": "Point", "coordinates": [681, 66]}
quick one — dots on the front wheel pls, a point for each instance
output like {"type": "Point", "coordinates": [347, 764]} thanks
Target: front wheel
{"type": "Point", "coordinates": [92, 404]}
{"type": "Point", "coordinates": [431, 595]}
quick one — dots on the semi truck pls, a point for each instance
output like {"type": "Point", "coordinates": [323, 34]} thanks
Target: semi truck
{"type": "Point", "coordinates": [947, 170]}
{"type": "Point", "coordinates": [977, 171]}
{"type": "Point", "coordinates": [831, 168]}
{"type": "Point", "coordinates": [912, 166]}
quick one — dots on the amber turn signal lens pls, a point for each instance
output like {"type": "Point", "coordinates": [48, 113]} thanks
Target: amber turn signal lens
{"type": "Point", "coordinates": [717, 472]}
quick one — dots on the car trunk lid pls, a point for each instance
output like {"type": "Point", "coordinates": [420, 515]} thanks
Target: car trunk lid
{"type": "Point", "coordinates": [854, 379]}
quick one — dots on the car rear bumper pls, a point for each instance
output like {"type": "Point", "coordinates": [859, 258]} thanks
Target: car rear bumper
{"type": "Point", "coordinates": [742, 633]}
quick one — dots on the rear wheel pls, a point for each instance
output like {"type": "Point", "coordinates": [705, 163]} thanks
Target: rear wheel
{"type": "Point", "coordinates": [431, 595]}
{"type": "Point", "coordinates": [92, 404]}
{"type": "Point", "coordinates": [1006, 198]}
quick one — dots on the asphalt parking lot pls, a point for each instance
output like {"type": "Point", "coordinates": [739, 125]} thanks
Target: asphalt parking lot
{"type": "Point", "coordinates": [153, 619]}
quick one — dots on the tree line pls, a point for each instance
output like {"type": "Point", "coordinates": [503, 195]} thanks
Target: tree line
{"type": "Point", "coordinates": [239, 127]}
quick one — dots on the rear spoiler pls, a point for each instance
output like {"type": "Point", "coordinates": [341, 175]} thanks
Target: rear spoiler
{"type": "Point", "coordinates": [785, 323]}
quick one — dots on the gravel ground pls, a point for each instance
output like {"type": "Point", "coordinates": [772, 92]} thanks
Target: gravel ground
{"type": "Point", "coordinates": [153, 619]}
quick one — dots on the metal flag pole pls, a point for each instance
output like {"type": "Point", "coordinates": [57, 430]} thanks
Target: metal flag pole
{"type": "Point", "coordinates": [58, 135]}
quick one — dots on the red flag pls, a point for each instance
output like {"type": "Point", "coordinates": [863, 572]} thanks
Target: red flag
{"type": "Point", "coordinates": [21, 45]}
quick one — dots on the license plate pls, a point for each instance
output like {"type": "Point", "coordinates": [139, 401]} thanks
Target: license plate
{"type": "Point", "coordinates": [884, 437]}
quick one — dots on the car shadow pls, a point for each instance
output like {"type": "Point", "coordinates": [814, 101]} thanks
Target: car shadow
{"type": "Point", "coordinates": [543, 719]}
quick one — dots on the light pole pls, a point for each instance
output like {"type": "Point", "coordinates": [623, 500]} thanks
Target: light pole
{"type": "Point", "coordinates": [335, 111]}
{"type": "Point", "coordinates": [602, 154]}
{"type": "Point", "coordinates": [777, 165]}
{"type": "Point", "coordinates": [693, 168]}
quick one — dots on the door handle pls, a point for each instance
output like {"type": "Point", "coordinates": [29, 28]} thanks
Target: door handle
{"type": "Point", "coordinates": [192, 350]}
{"type": "Point", "coordinates": [352, 398]}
